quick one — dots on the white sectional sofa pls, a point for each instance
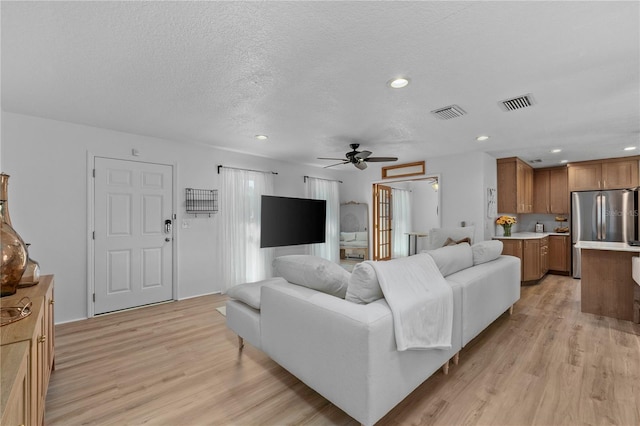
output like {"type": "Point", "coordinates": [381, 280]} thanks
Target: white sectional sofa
{"type": "Point", "coordinates": [346, 351]}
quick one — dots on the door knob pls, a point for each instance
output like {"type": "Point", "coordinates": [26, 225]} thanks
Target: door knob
{"type": "Point", "coordinates": [167, 239]}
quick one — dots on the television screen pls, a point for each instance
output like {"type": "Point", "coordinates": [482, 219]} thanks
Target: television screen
{"type": "Point", "coordinates": [289, 221]}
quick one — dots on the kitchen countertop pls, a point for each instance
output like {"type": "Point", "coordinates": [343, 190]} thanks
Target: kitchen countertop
{"type": "Point", "coordinates": [604, 245]}
{"type": "Point", "coordinates": [529, 235]}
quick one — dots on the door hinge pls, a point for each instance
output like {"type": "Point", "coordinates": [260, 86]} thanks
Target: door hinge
{"type": "Point", "coordinates": [94, 298]}
{"type": "Point", "coordinates": [94, 235]}
{"type": "Point", "coordinates": [94, 172]}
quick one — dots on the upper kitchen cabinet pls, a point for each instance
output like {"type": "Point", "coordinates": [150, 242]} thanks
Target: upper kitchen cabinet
{"type": "Point", "coordinates": [515, 186]}
{"type": "Point", "coordinates": [614, 173]}
{"type": "Point", "coordinates": [551, 191]}
{"type": "Point", "coordinates": [620, 174]}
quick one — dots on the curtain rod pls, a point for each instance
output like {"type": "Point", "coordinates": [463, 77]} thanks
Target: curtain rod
{"type": "Point", "coordinates": [220, 166]}
{"type": "Point", "coordinates": [330, 180]}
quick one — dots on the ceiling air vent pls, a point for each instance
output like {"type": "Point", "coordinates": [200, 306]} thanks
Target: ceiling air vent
{"type": "Point", "coordinates": [520, 102]}
{"type": "Point", "coordinates": [449, 112]}
{"type": "Point", "coordinates": [537, 160]}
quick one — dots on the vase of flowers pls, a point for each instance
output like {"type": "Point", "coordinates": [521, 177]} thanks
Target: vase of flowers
{"type": "Point", "coordinates": [506, 222]}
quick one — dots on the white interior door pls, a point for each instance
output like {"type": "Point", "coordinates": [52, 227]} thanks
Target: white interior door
{"type": "Point", "coordinates": [133, 243]}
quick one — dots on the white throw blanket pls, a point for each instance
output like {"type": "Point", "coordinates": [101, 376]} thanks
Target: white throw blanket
{"type": "Point", "coordinates": [420, 299]}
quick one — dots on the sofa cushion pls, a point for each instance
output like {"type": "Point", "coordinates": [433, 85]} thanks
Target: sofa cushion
{"type": "Point", "coordinates": [249, 293]}
{"type": "Point", "coordinates": [363, 284]}
{"type": "Point", "coordinates": [451, 259]}
{"type": "Point", "coordinates": [438, 236]}
{"type": "Point", "coordinates": [486, 251]}
{"type": "Point", "coordinates": [452, 242]}
{"type": "Point", "coordinates": [313, 272]}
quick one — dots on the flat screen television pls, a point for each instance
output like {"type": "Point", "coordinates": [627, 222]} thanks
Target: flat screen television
{"type": "Point", "coordinates": [289, 221]}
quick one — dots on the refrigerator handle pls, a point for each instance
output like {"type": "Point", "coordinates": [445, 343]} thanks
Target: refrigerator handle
{"type": "Point", "coordinates": [598, 217]}
{"type": "Point", "coordinates": [603, 216]}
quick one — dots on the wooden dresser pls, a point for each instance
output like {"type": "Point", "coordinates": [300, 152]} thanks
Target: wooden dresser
{"type": "Point", "coordinates": [27, 357]}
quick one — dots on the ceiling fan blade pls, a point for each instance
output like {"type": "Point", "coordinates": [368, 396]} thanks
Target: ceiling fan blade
{"type": "Point", "coordinates": [380, 159]}
{"type": "Point", "coordinates": [327, 158]}
{"type": "Point", "coordinates": [363, 154]}
{"type": "Point", "coordinates": [360, 165]}
{"type": "Point", "coordinates": [337, 164]}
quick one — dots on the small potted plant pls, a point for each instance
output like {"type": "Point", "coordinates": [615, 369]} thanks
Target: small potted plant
{"type": "Point", "coordinates": [506, 222]}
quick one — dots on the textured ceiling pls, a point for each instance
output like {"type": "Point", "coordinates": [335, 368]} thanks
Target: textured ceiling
{"type": "Point", "coordinates": [312, 75]}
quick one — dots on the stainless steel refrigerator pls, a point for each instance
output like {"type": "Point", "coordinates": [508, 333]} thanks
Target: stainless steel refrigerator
{"type": "Point", "coordinates": [602, 216]}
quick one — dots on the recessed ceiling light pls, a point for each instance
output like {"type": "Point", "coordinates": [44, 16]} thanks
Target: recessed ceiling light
{"type": "Point", "coordinates": [398, 83]}
{"type": "Point", "coordinates": [564, 161]}
{"type": "Point", "coordinates": [630, 148]}
{"type": "Point", "coordinates": [555, 151]}
{"type": "Point", "coordinates": [482, 138]}
{"type": "Point", "coordinates": [262, 137]}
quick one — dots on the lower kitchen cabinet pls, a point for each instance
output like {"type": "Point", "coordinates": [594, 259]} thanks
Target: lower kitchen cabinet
{"type": "Point", "coordinates": [530, 260]}
{"type": "Point", "coordinates": [533, 254]}
{"type": "Point", "coordinates": [560, 254]}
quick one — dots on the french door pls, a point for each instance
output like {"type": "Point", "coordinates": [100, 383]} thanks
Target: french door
{"type": "Point", "coordinates": [381, 222]}
{"type": "Point", "coordinates": [133, 247]}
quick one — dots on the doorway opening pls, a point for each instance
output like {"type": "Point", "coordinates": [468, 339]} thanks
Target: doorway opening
{"type": "Point", "coordinates": [403, 213]}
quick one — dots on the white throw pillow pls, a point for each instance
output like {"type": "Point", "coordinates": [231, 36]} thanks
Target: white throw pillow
{"type": "Point", "coordinates": [313, 272]}
{"type": "Point", "coordinates": [438, 236]}
{"type": "Point", "coordinates": [486, 251]}
{"type": "Point", "coordinates": [361, 236]}
{"type": "Point", "coordinates": [347, 236]}
{"type": "Point", "coordinates": [363, 285]}
{"type": "Point", "coordinates": [249, 293]}
{"type": "Point", "coordinates": [451, 259]}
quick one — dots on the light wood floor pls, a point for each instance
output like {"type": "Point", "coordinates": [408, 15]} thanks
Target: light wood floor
{"type": "Point", "coordinates": [177, 364]}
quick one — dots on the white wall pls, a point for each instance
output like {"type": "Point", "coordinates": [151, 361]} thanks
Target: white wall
{"type": "Point", "coordinates": [47, 161]}
{"type": "Point", "coordinates": [425, 209]}
{"type": "Point", "coordinates": [463, 184]}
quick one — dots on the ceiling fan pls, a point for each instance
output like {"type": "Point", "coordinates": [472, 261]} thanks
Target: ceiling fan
{"type": "Point", "coordinates": [358, 158]}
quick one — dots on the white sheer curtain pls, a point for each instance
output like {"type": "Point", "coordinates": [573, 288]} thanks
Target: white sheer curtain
{"type": "Point", "coordinates": [240, 198]}
{"type": "Point", "coordinates": [329, 190]}
{"type": "Point", "coordinates": [400, 221]}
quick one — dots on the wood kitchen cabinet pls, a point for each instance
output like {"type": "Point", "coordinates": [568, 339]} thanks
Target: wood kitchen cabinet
{"type": "Point", "coordinates": [36, 334]}
{"type": "Point", "coordinates": [613, 173]}
{"type": "Point", "coordinates": [560, 254]}
{"type": "Point", "coordinates": [532, 260]}
{"type": "Point", "coordinates": [551, 190]}
{"type": "Point", "coordinates": [544, 256]}
{"type": "Point", "coordinates": [515, 186]}
{"type": "Point", "coordinates": [533, 254]}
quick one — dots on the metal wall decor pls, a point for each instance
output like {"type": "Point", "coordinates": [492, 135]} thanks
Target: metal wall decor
{"type": "Point", "coordinates": [201, 201]}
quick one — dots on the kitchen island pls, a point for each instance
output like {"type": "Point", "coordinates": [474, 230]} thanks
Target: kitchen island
{"type": "Point", "coordinates": [607, 285]}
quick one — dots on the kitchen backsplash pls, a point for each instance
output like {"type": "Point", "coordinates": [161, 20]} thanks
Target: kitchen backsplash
{"type": "Point", "coordinates": [527, 222]}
